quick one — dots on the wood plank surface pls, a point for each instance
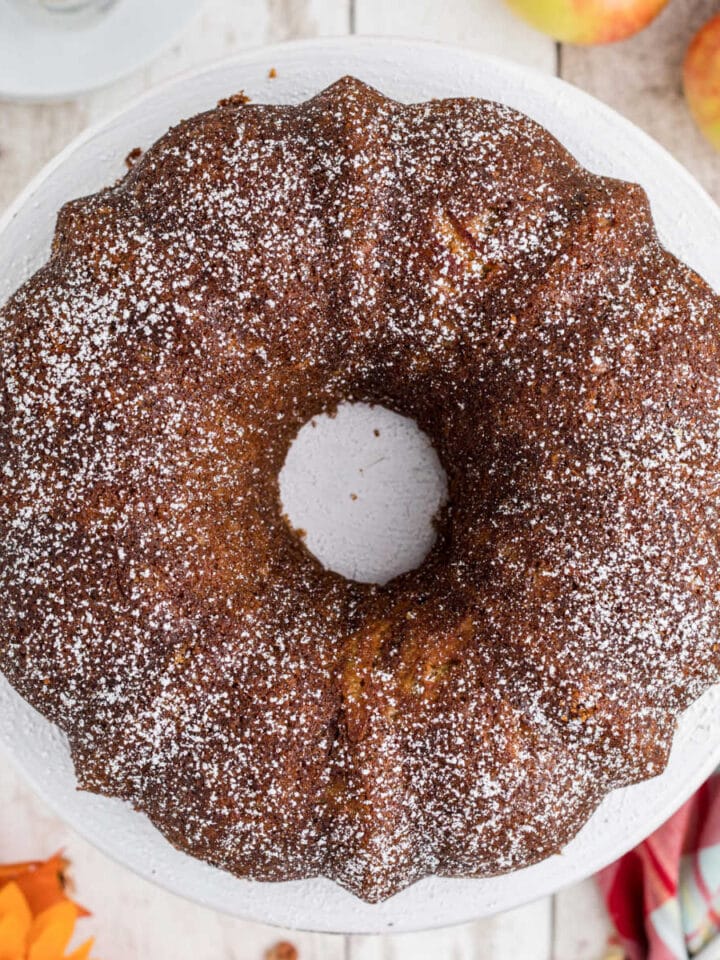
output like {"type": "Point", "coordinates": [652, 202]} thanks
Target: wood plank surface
{"type": "Point", "coordinates": [523, 934]}
{"type": "Point", "coordinates": [581, 927]}
{"type": "Point", "coordinates": [486, 25]}
{"type": "Point", "coordinates": [642, 79]}
{"type": "Point", "coordinates": [135, 920]}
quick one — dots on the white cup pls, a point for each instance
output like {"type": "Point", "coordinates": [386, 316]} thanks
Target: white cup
{"type": "Point", "coordinates": [64, 11]}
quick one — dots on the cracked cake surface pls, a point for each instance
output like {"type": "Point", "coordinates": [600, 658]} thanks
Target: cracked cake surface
{"type": "Point", "coordinates": [451, 261]}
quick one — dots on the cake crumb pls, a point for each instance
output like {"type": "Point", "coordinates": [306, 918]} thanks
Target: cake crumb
{"type": "Point", "coordinates": [284, 950]}
{"type": "Point", "coordinates": [238, 99]}
{"type": "Point", "coordinates": [132, 158]}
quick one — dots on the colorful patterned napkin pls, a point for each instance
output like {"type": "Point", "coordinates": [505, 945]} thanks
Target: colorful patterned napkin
{"type": "Point", "coordinates": [664, 896]}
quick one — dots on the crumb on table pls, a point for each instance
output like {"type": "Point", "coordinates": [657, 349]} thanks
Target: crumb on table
{"type": "Point", "coordinates": [284, 950]}
{"type": "Point", "coordinates": [132, 158]}
{"type": "Point", "coordinates": [236, 100]}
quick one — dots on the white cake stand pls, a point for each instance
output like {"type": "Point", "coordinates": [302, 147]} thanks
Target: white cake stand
{"type": "Point", "coordinates": [689, 224]}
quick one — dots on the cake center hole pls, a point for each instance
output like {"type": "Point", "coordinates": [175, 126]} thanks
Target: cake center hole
{"type": "Point", "coordinates": [363, 488]}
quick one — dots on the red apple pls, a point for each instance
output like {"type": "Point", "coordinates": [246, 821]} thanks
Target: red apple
{"type": "Point", "coordinates": [588, 21]}
{"type": "Point", "coordinates": [701, 77]}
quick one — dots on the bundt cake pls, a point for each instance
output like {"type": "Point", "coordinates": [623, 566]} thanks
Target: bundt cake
{"type": "Point", "coordinates": [452, 262]}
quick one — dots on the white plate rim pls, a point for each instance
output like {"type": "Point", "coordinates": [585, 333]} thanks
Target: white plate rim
{"type": "Point", "coordinates": [368, 46]}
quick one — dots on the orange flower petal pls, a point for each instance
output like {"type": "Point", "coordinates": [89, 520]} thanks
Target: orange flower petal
{"type": "Point", "coordinates": [42, 881]}
{"type": "Point", "coordinates": [15, 922]}
{"type": "Point", "coordinates": [14, 904]}
{"type": "Point", "coordinates": [11, 871]}
{"type": "Point", "coordinates": [52, 931]}
{"type": "Point", "coordinates": [82, 952]}
{"type": "Point", "coordinates": [13, 937]}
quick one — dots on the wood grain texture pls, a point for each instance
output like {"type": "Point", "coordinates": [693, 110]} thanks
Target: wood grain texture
{"type": "Point", "coordinates": [486, 25]}
{"type": "Point", "coordinates": [522, 934]}
{"type": "Point", "coordinates": [295, 19]}
{"type": "Point", "coordinates": [581, 925]}
{"type": "Point", "coordinates": [642, 79]}
{"type": "Point", "coordinates": [30, 136]}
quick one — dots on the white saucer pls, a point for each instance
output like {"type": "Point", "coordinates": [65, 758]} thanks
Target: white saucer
{"type": "Point", "coordinates": [689, 224]}
{"type": "Point", "coordinates": [51, 57]}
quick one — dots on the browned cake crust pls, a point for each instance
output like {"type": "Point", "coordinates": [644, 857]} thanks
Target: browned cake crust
{"type": "Point", "coordinates": [451, 261]}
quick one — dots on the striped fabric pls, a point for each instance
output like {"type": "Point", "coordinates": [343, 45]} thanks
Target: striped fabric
{"type": "Point", "coordinates": [664, 896]}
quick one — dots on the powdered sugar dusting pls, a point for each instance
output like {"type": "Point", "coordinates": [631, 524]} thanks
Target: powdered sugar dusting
{"type": "Point", "coordinates": [452, 262]}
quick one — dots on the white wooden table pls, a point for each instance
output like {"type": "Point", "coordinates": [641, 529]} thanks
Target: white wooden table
{"type": "Point", "coordinates": [134, 920]}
